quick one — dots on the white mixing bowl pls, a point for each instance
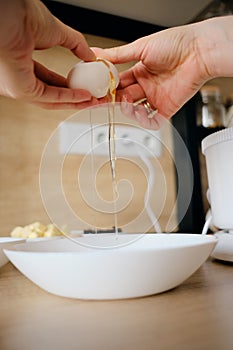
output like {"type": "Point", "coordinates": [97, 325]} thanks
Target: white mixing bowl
{"type": "Point", "coordinates": [6, 243]}
{"type": "Point", "coordinates": [106, 266]}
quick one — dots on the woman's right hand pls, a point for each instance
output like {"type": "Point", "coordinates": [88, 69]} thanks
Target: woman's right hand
{"type": "Point", "coordinates": [172, 65]}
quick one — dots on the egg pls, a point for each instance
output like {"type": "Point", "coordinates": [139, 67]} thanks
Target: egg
{"type": "Point", "coordinates": [94, 77]}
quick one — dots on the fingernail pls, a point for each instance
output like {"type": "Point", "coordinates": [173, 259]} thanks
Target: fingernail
{"type": "Point", "coordinates": [84, 98]}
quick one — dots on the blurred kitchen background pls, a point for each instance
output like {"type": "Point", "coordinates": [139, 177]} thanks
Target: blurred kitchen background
{"type": "Point", "coordinates": [25, 129]}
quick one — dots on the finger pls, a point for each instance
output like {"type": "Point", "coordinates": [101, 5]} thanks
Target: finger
{"type": "Point", "coordinates": [127, 97]}
{"type": "Point", "coordinates": [140, 114]}
{"type": "Point", "coordinates": [127, 78]}
{"type": "Point", "coordinates": [98, 51]}
{"type": "Point", "coordinates": [135, 91]}
{"type": "Point", "coordinates": [49, 77]}
{"type": "Point", "coordinates": [51, 31]}
{"type": "Point", "coordinates": [123, 54]}
{"type": "Point", "coordinates": [126, 105]}
{"type": "Point", "coordinates": [49, 94]}
{"type": "Point", "coordinates": [75, 41]}
{"type": "Point", "coordinates": [153, 124]}
{"type": "Point", "coordinates": [130, 108]}
{"type": "Point", "coordinates": [66, 105]}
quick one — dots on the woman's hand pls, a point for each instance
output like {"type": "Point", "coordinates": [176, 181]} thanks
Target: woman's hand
{"type": "Point", "coordinates": [172, 65]}
{"type": "Point", "coordinates": [26, 25]}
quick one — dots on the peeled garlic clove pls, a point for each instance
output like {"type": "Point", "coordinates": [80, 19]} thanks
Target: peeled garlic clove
{"type": "Point", "coordinates": [93, 76]}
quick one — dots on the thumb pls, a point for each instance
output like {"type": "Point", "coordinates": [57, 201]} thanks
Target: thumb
{"type": "Point", "coordinates": [75, 41]}
{"type": "Point", "coordinates": [122, 54]}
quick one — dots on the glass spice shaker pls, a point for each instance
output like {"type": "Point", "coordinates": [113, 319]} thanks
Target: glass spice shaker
{"type": "Point", "coordinates": [213, 110]}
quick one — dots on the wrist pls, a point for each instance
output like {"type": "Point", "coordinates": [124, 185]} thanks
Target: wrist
{"type": "Point", "coordinates": [215, 46]}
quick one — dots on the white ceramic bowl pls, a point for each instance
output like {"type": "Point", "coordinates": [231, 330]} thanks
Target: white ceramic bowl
{"type": "Point", "coordinates": [6, 243]}
{"type": "Point", "coordinates": [106, 266]}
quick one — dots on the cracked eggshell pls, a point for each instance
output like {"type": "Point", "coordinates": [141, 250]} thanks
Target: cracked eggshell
{"type": "Point", "coordinates": [93, 77]}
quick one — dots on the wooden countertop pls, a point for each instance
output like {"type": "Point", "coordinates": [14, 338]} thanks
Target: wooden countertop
{"type": "Point", "coordinates": [198, 315]}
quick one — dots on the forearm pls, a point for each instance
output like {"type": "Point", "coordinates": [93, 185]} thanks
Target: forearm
{"type": "Point", "coordinates": [215, 46]}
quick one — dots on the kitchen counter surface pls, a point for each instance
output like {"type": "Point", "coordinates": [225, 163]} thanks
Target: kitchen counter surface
{"type": "Point", "coordinates": [194, 316]}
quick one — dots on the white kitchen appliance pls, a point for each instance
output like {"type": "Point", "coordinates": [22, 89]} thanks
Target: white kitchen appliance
{"type": "Point", "coordinates": [218, 150]}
